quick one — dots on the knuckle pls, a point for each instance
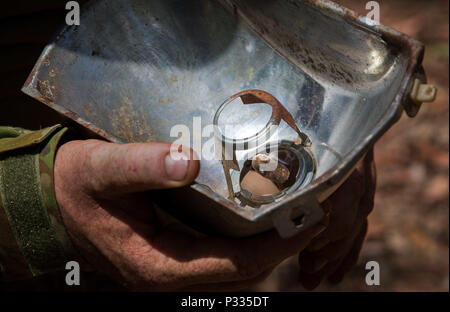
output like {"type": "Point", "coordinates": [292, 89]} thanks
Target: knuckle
{"type": "Point", "coordinates": [247, 269]}
{"type": "Point", "coordinates": [341, 230]}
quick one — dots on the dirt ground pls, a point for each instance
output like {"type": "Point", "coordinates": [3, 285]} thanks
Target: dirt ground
{"type": "Point", "coordinates": [409, 227]}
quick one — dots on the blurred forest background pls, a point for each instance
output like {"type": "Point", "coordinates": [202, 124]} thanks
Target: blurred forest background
{"type": "Point", "coordinates": [409, 226]}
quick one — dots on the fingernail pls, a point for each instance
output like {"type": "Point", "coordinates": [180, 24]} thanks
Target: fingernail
{"type": "Point", "coordinates": [176, 168]}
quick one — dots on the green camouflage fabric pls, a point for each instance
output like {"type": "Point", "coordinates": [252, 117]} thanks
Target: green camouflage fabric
{"type": "Point", "coordinates": [33, 239]}
{"type": "Point", "coordinates": [46, 164]}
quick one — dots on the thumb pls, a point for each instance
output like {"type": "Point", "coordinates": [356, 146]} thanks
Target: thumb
{"type": "Point", "coordinates": [114, 169]}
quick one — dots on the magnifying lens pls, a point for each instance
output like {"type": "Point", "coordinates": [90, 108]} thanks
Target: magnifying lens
{"type": "Point", "coordinates": [260, 168]}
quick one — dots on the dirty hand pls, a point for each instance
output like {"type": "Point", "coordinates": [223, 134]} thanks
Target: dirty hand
{"type": "Point", "coordinates": [101, 190]}
{"type": "Point", "coordinates": [335, 251]}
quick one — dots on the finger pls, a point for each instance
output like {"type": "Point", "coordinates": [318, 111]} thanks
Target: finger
{"type": "Point", "coordinates": [358, 190]}
{"type": "Point", "coordinates": [190, 261]}
{"type": "Point", "coordinates": [116, 169]}
{"type": "Point", "coordinates": [313, 261]}
{"type": "Point", "coordinates": [129, 207]}
{"type": "Point", "coordinates": [344, 209]}
{"type": "Point", "coordinates": [143, 255]}
{"type": "Point", "coordinates": [370, 181]}
{"type": "Point", "coordinates": [335, 270]}
{"type": "Point", "coordinates": [310, 281]}
{"type": "Point", "coordinates": [351, 259]}
{"type": "Point", "coordinates": [313, 267]}
{"type": "Point", "coordinates": [230, 286]}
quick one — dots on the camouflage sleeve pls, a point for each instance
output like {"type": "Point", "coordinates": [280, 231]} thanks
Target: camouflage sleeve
{"type": "Point", "coordinates": [33, 239]}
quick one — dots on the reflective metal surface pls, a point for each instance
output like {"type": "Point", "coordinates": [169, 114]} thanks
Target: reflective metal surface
{"type": "Point", "coordinates": [135, 68]}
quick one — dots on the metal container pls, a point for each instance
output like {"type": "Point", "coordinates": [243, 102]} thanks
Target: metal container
{"type": "Point", "coordinates": [135, 68]}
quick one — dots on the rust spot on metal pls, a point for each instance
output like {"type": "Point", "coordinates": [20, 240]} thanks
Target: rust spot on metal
{"type": "Point", "coordinates": [72, 115]}
{"type": "Point", "coordinates": [45, 101]}
{"type": "Point", "coordinates": [45, 89]}
{"type": "Point", "coordinates": [96, 130]}
{"type": "Point", "coordinates": [29, 78]}
{"type": "Point", "coordinates": [131, 125]}
{"type": "Point", "coordinates": [46, 61]}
